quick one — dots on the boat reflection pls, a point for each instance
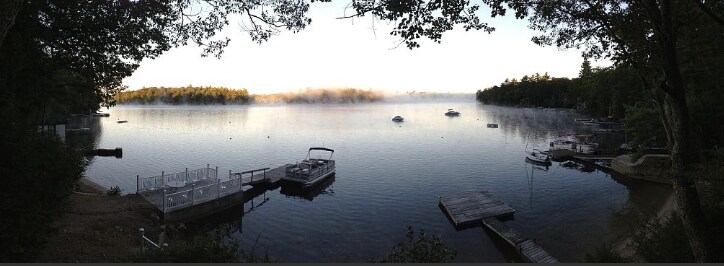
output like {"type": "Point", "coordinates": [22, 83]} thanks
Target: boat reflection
{"type": "Point", "coordinates": [538, 165]}
{"type": "Point", "coordinates": [310, 193]}
{"type": "Point", "coordinates": [578, 166]}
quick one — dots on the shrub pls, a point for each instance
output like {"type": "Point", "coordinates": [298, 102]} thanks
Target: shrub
{"type": "Point", "coordinates": [38, 177]}
{"type": "Point", "coordinates": [663, 240]}
{"type": "Point", "coordinates": [424, 249]}
{"type": "Point", "coordinates": [114, 191]}
{"type": "Point", "coordinates": [604, 253]}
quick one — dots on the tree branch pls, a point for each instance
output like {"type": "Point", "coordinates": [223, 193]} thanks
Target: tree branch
{"type": "Point", "coordinates": [708, 11]}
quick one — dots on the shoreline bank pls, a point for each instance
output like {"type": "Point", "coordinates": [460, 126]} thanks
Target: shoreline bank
{"type": "Point", "coordinates": [623, 247]}
{"type": "Point", "coordinates": [98, 227]}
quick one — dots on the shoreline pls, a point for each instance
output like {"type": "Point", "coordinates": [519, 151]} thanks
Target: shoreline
{"type": "Point", "coordinates": [623, 247]}
{"type": "Point", "coordinates": [98, 227]}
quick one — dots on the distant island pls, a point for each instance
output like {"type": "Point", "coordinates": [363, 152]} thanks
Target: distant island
{"type": "Point", "coordinates": [195, 95]}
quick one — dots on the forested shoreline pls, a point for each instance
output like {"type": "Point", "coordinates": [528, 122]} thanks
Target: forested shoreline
{"type": "Point", "coordinates": [193, 95]}
{"type": "Point", "coordinates": [616, 93]}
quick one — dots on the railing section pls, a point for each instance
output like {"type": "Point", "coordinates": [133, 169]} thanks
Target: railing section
{"type": "Point", "coordinates": [176, 179]}
{"type": "Point", "coordinates": [200, 194]}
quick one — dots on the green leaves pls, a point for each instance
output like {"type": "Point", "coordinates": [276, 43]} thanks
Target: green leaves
{"type": "Point", "coordinates": [424, 249]}
{"type": "Point", "coordinates": [416, 19]}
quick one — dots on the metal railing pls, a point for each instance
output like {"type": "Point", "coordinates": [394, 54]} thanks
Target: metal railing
{"type": "Point", "coordinates": [321, 170]}
{"type": "Point", "coordinates": [188, 176]}
{"type": "Point", "coordinates": [198, 194]}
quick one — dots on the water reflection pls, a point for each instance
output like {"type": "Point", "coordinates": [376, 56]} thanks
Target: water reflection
{"type": "Point", "coordinates": [389, 175]}
{"type": "Point", "coordinates": [324, 188]}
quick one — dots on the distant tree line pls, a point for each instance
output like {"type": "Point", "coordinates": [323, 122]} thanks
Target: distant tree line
{"type": "Point", "coordinates": [535, 90]}
{"type": "Point", "coordinates": [220, 95]}
{"type": "Point", "coordinates": [617, 93]}
{"type": "Point", "coordinates": [184, 95]}
{"type": "Point", "coordinates": [597, 91]}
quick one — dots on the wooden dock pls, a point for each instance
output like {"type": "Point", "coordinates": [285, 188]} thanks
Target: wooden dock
{"type": "Point", "coordinates": [527, 249]}
{"type": "Point", "coordinates": [472, 207]}
{"type": "Point", "coordinates": [268, 176]}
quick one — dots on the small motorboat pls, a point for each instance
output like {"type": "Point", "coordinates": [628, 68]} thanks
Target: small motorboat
{"type": "Point", "coordinates": [539, 157]}
{"type": "Point", "coordinates": [451, 112]}
{"type": "Point", "coordinates": [398, 119]}
{"type": "Point", "coordinates": [121, 121]}
{"type": "Point", "coordinates": [493, 125]}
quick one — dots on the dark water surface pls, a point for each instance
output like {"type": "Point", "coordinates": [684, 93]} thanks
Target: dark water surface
{"type": "Point", "coordinates": [389, 175]}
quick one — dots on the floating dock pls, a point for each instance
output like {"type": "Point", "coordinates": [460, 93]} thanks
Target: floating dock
{"type": "Point", "coordinates": [527, 249]}
{"type": "Point", "coordinates": [472, 207]}
{"type": "Point", "coordinates": [194, 193]}
{"type": "Point", "coordinates": [483, 207]}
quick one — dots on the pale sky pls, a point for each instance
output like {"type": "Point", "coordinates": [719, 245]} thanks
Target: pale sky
{"type": "Point", "coordinates": [348, 53]}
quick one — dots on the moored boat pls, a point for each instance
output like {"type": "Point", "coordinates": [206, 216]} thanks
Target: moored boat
{"type": "Point", "coordinates": [451, 112]}
{"type": "Point", "coordinates": [310, 171]}
{"type": "Point", "coordinates": [538, 156]}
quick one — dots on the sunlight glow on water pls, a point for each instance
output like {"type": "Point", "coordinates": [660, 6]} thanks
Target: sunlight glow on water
{"type": "Point", "coordinates": [389, 175]}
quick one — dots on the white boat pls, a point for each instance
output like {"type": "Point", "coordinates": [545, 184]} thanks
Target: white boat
{"type": "Point", "coordinates": [564, 144]}
{"type": "Point", "coordinates": [592, 122]}
{"type": "Point", "coordinates": [587, 148]}
{"type": "Point", "coordinates": [100, 114]}
{"type": "Point", "coordinates": [538, 156]}
{"type": "Point", "coordinates": [451, 112]}
{"type": "Point", "coordinates": [311, 170]}
{"type": "Point", "coordinates": [577, 143]}
{"type": "Point", "coordinates": [398, 119]}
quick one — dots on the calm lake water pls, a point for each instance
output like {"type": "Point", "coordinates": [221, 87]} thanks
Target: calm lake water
{"type": "Point", "coordinates": [389, 175]}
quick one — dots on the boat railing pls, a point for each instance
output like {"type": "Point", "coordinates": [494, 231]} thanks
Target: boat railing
{"type": "Point", "coordinates": [297, 172]}
{"type": "Point", "coordinates": [180, 178]}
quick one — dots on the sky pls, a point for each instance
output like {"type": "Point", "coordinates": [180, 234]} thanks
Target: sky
{"type": "Point", "coordinates": [360, 53]}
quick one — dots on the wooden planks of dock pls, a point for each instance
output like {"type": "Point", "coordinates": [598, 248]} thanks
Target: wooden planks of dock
{"type": "Point", "coordinates": [271, 176]}
{"type": "Point", "coordinates": [483, 206]}
{"type": "Point", "coordinates": [471, 207]}
{"type": "Point", "coordinates": [526, 248]}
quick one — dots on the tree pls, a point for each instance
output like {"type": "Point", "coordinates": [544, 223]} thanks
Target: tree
{"type": "Point", "coordinates": [585, 69]}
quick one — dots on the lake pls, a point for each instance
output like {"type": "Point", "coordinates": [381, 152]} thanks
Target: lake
{"type": "Point", "coordinates": [389, 175]}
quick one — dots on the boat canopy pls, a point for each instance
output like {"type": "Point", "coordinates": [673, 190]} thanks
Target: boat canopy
{"type": "Point", "coordinates": [321, 149]}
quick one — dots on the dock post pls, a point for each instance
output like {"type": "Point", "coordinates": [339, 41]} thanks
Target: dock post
{"type": "Point", "coordinates": [264, 174]}
{"type": "Point", "coordinates": [138, 184]}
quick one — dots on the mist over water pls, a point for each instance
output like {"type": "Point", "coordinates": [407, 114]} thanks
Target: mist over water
{"type": "Point", "coordinates": [389, 175]}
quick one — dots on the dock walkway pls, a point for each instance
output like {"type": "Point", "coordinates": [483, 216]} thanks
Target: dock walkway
{"type": "Point", "coordinates": [526, 248]}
